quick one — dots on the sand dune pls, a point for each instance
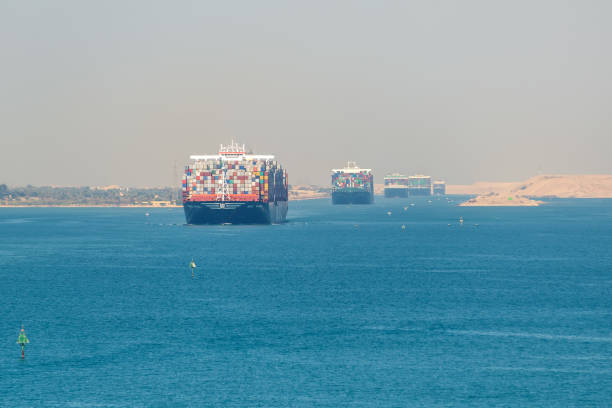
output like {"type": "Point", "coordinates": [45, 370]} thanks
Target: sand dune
{"type": "Point", "coordinates": [480, 188]}
{"type": "Point", "coordinates": [307, 192]}
{"type": "Point", "coordinates": [522, 193]}
{"type": "Point", "coordinates": [567, 186]}
{"type": "Point", "coordinates": [501, 200]}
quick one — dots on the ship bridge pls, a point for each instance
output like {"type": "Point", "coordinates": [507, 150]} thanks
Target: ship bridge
{"type": "Point", "coordinates": [232, 152]}
{"type": "Point", "coordinates": [351, 167]}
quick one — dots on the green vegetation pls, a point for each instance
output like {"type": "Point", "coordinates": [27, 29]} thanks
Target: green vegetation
{"type": "Point", "coordinates": [44, 195]}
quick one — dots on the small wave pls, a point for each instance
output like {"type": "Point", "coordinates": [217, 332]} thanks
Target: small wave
{"type": "Point", "coordinates": [455, 270]}
{"type": "Point", "coordinates": [390, 328]}
{"type": "Point", "coordinates": [541, 336]}
{"type": "Point", "coordinates": [548, 370]}
{"type": "Point", "coordinates": [15, 221]}
{"type": "Point", "coordinates": [585, 358]}
{"type": "Point", "coordinates": [378, 328]}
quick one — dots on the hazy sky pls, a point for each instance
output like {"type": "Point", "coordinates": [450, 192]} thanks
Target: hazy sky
{"type": "Point", "coordinates": [116, 92]}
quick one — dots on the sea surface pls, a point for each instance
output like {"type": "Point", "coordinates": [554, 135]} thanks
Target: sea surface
{"type": "Point", "coordinates": [340, 306]}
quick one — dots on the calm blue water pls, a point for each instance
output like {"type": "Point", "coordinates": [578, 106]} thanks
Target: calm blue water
{"type": "Point", "coordinates": [338, 307]}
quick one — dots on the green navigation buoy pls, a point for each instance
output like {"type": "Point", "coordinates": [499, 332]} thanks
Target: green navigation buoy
{"type": "Point", "coordinates": [22, 340]}
{"type": "Point", "coordinates": [192, 265]}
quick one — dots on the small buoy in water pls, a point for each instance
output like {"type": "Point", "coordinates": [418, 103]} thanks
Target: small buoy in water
{"type": "Point", "coordinates": [147, 214]}
{"type": "Point", "coordinates": [192, 265]}
{"type": "Point", "coordinates": [388, 212]}
{"type": "Point", "coordinates": [22, 340]}
{"type": "Point", "coordinates": [403, 227]}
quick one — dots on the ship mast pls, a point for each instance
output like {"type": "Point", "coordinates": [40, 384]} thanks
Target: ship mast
{"type": "Point", "coordinates": [224, 188]}
{"type": "Point", "coordinates": [228, 152]}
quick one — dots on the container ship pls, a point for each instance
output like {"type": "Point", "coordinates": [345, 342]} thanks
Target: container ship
{"type": "Point", "coordinates": [352, 185]}
{"type": "Point", "coordinates": [235, 187]}
{"type": "Point", "coordinates": [439, 187]}
{"type": "Point", "coordinates": [419, 185]}
{"type": "Point", "coordinates": [396, 185]}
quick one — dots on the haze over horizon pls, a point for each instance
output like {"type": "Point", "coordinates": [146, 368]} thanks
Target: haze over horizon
{"type": "Point", "coordinates": [99, 93]}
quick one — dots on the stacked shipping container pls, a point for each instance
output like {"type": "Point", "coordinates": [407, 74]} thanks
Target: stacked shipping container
{"type": "Point", "coordinates": [396, 185]}
{"type": "Point", "coordinates": [419, 185]}
{"type": "Point", "coordinates": [396, 179]}
{"type": "Point", "coordinates": [361, 179]}
{"type": "Point", "coordinates": [242, 179]}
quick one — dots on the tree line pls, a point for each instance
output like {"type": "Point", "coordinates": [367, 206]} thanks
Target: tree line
{"type": "Point", "coordinates": [85, 195]}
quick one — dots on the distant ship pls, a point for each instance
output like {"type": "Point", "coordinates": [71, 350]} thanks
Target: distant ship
{"type": "Point", "coordinates": [439, 187]}
{"type": "Point", "coordinates": [396, 185]}
{"type": "Point", "coordinates": [235, 187]}
{"type": "Point", "coordinates": [352, 185]}
{"type": "Point", "coordinates": [419, 185]}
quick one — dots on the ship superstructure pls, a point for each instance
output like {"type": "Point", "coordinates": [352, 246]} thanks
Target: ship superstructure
{"type": "Point", "coordinates": [235, 187]}
{"type": "Point", "coordinates": [396, 185]}
{"type": "Point", "coordinates": [352, 185]}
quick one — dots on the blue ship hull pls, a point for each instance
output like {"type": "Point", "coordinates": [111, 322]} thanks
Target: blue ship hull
{"type": "Point", "coordinates": [235, 212]}
{"type": "Point", "coordinates": [419, 192]}
{"type": "Point", "coordinates": [396, 192]}
{"type": "Point", "coordinates": [352, 197]}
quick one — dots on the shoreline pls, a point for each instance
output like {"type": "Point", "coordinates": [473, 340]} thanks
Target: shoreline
{"type": "Point", "coordinates": [501, 200]}
{"type": "Point", "coordinates": [469, 203]}
{"type": "Point", "coordinates": [118, 206]}
{"type": "Point", "coordinates": [88, 206]}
